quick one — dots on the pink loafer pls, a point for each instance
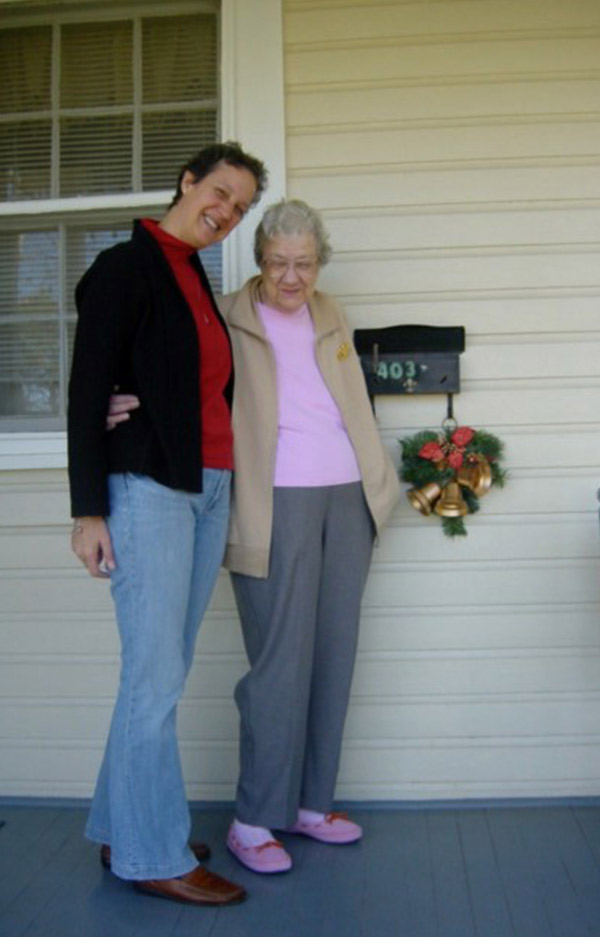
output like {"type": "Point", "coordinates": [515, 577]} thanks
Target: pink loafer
{"type": "Point", "coordinates": [268, 858]}
{"type": "Point", "coordinates": [334, 828]}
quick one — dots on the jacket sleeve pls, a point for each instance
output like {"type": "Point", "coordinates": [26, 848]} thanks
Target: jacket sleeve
{"type": "Point", "coordinates": [108, 299]}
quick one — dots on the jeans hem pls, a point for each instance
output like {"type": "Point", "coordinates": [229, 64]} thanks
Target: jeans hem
{"type": "Point", "coordinates": [95, 836]}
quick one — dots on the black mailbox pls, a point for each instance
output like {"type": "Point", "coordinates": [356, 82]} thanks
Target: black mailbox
{"type": "Point", "coordinates": [411, 359]}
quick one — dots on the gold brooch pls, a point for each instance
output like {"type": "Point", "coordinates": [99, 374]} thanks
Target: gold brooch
{"type": "Point", "coordinates": [343, 351]}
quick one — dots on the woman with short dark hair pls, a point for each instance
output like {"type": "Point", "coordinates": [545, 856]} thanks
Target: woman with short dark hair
{"type": "Point", "coordinates": [151, 502]}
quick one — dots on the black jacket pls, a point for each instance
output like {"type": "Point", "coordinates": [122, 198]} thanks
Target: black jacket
{"type": "Point", "coordinates": [136, 331]}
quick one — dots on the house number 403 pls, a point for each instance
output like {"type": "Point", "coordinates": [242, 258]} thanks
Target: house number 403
{"type": "Point", "coordinates": [396, 371]}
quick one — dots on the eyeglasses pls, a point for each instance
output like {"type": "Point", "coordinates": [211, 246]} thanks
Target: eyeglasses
{"type": "Point", "coordinates": [277, 267]}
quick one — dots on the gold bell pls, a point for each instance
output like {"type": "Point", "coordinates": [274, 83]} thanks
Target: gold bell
{"type": "Point", "coordinates": [423, 499]}
{"type": "Point", "coordinates": [477, 477]}
{"type": "Point", "coordinates": [451, 502]}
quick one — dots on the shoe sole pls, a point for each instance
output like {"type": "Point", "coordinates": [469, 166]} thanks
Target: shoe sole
{"type": "Point", "coordinates": [322, 839]}
{"type": "Point", "coordinates": [206, 903]}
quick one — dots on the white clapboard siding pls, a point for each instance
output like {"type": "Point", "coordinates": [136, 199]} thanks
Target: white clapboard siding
{"type": "Point", "coordinates": [454, 149]}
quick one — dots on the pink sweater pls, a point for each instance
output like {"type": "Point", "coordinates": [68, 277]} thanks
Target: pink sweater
{"type": "Point", "coordinates": [313, 447]}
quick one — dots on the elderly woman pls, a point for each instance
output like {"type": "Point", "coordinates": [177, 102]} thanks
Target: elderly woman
{"type": "Point", "coordinates": [151, 502]}
{"type": "Point", "coordinates": [313, 485]}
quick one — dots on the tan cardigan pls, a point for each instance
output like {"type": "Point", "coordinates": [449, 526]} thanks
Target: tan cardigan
{"type": "Point", "coordinates": [255, 423]}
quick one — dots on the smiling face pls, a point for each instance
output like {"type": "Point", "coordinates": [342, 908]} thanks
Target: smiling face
{"type": "Point", "coordinates": [290, 269]}
{"type": "Point", "coordinates": [211, 207]}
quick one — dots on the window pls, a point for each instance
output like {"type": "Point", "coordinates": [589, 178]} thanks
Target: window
{"type": "Point", "coordinates": [95, 115]}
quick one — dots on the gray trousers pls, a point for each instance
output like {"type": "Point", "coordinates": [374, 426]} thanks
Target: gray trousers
{"type": "Point", "coordinates": [300, 628]}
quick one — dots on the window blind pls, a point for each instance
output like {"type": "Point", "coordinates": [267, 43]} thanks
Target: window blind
{"type": "Point", "coordinates": [105, 107]}
{"type": "Point", "coordinates": [135, 97]}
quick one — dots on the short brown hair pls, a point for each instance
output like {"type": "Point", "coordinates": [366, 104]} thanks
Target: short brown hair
{"type": "Point", "coordinates": [231, 153]}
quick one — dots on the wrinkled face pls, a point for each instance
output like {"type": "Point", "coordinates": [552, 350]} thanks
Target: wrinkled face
{"type": "Point", "coordinates": [290, 270]}
{"type": "Point", "coordinates": [211, 207]}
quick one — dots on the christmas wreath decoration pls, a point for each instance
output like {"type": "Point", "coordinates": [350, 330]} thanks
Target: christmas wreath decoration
{"type": "Point", "coordinates": [450, 471]}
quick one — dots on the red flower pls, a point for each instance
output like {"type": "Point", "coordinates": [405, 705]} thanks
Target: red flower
{"type": "Point", "coordinates": [462, 436]}
{"type": "Point", "coordinates": [432, 451]}
{"type": "Point", "coordinates": [455, 459]}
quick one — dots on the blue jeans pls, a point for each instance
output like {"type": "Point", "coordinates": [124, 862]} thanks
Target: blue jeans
{"type": "Point", "coordinates": [168, 548]}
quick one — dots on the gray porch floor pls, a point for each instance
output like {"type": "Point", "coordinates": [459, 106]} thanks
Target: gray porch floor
{"type": "Point", "coordinates": [499, 871]}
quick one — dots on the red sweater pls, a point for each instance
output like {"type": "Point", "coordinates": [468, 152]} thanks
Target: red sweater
{"type": "Point", "coordinates": [215, 356]}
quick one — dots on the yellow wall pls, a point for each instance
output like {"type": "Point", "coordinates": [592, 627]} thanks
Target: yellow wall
{"type": "Point", "coordinates": [454, 149]}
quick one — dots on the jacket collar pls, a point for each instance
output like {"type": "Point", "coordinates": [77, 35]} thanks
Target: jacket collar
{"type": "Point", "coordinates": [240, 310]}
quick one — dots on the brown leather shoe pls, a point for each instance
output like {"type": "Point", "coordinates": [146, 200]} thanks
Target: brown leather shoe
{"type": "Point", "coordinates": [200, 850]}
{"type": "Point", "coordinates": [197, 887]}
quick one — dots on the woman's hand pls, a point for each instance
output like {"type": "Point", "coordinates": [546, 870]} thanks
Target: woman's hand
{"type": "Point", "coordinates": [119, 407]}
{"type": "Point", "coordinates": [90, 542]}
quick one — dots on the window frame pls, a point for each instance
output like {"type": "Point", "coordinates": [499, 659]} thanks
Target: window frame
{"type": "Point", "coordinates": [252, 111]}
